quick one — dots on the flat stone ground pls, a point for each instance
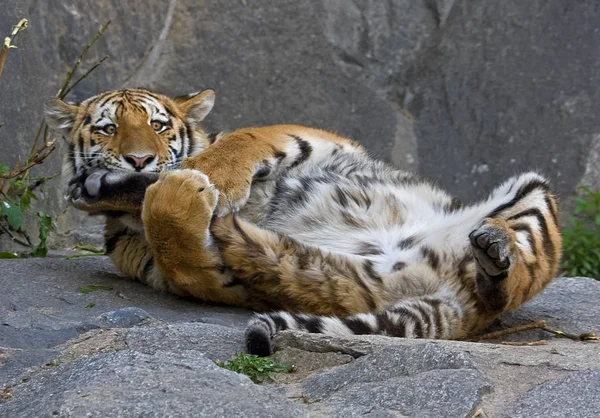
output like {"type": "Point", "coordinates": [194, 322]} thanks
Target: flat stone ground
{"type": "Point", "coordinates": [124, 350]}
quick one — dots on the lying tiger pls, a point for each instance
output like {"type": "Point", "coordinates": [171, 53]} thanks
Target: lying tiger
{"type": "Point", "coordinates": [300, 220]}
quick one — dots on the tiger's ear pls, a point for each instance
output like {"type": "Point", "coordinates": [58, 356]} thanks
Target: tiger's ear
{"type": "Point", "coordinates": [197, 105]}
{"type": "Point", "coordinates": [60, 116]}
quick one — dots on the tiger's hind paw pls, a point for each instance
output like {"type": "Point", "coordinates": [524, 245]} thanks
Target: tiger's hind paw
{"type": "Point", "coordinates": [493, 247]}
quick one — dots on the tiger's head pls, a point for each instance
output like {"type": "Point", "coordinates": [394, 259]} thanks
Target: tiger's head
{"type": "Point", "coordinates": [130, 130]}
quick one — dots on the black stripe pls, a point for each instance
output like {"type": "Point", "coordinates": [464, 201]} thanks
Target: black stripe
{"type": "Point", "coordinates": [437, 317]}
{"type": "Point", "coordinates": [391, 328]}
{"type": "Point", "coordinates": [311, 324]}
{"type": "Point", "coordinates": [427, 318]}
{"type": "Point", "coordinates": [212, 137]}
{"type": "Point", "coordinates": [453, 206]}
{"type": "Point", "coordinates": [357, 326]}
{"type": "Point", "coordinates": [305, 151]}
{"type": "Point", "coordinates": [521, 193]}
{"type": "Point", "coordinates": [432, 258]}
{"type": "Point", "coordinates": [147, 270]}
{"type": "Point", "coordinates": [370, 270]}
{"type": "Point", "coordinates": [340, 197]}
{"type": "Point", "coordinates": [263, 171]}
{"type": "Point", "coordinates": [368, 296]}
{"type": "Point", "coordinates": [280, 323]}
{"type": "Point", "coordinates": [551, 209]}
{"type": "Point", "coordinates": [111, 242]}
{"type": "Point", "coordinates": [407, 243]}
{"type": "Point", "coordinates": [87, 120]}
{"type": "Point", "coordinates": [527, 229]}
{"type": "Point", "coordinates": [548, 244]}
{"type": "Point", "coordinates": [411, 315]}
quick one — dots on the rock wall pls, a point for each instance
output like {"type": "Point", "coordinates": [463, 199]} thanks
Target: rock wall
{"type": "Point", "coordinates": [464, 91]}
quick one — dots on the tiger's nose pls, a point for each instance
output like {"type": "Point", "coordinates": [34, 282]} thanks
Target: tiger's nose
{"type": "Point", "coordinates": [139, 162]}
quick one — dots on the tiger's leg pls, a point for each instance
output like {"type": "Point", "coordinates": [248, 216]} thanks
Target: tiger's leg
{"type": "Point", "coordinates": [250, 155]}
{"type": "Point", "coordinates": [129, 251]}
{"type": "Point", "coordinates": [176, 214]}
{"type": "Point", "coordinates": [297, 277]}
{"type": "Point", "coordinates": [517, 245]}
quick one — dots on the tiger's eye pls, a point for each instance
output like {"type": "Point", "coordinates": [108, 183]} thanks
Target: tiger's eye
{"type": "Point", "coordinates": [157, 125]}
{"type": "Point", "coordinates": [110, 129]}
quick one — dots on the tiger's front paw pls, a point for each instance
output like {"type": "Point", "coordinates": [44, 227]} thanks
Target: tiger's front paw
{"type": "Point", "coordinates": [233, 183]}
{"type": "Point", "coordinates": [493, 247]}
{"type": "Point", "coordinates": [105, 191]}
{"type": "Point", "coordinates": [178, 209]}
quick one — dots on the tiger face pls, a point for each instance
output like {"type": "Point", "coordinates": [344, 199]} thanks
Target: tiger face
{"type": "Point", "coordinates": [130, 130]}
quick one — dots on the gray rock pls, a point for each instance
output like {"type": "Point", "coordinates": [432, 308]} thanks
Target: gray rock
{"type": "Point", "coordinates": [214, 341]}
{"type": "Point", "coordinates": [439, 393]}
{"type": "Point", "coordinates": [385, 364]}
{"type": "Point", "coordinates": [129, 383]}
{"type": "Point", "coordinates": [386, 382]}
{"type": "Point", "coordinates": [123, 318]}
{"type": "Point", "coordinates": [577, 395]}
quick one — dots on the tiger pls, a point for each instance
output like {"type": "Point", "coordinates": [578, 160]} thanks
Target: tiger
{"type": "Point", "coordinates": [299, 224]}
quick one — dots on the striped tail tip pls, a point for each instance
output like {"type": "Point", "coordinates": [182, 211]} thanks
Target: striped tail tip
{"type": "Point", "coordinates": [259, 340]}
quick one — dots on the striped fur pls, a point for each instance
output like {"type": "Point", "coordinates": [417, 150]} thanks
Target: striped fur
{"type": "Point", "coordinates": [304, 221]}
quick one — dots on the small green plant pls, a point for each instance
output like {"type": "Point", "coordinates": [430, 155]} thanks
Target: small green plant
{"type": "Point", "coordinates": [17, 187]}
{"type": "Point", "coordinates": [581, 238]}
{"type": "Point", "coordinates": [258, 369]}
{"type": "Point", "coordinates": [54, 363]}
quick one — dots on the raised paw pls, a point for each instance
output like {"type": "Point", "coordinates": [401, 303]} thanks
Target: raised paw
{"type": "Point", "coordinates": [179, 206]}
{"type": "Point", "coordinates": [493, 247]}
{"type": "Point", "coordinates": [104, 191]}
{"type": "Point", "coordinates": [233, 185]}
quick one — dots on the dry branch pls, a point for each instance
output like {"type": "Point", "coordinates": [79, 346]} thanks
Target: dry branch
{"type": "Point", "coordinates": [8, 42]}
{"type": "Point", "coordinates": [507, 331]}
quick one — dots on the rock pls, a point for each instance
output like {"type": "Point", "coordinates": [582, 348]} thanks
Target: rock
{"type": "Point", "coordinates": [467, 93]}
{"type": "Point", "coordinates": [385, 381]}
{"type": "Point", "coordinates": [577, 395]}
{"type": "Point", "coordinates": [123, 318]}
{"type": "Point", "coordinates": [214, 341]}
{"type": "Point", "coordinates": [440, 393]}
{"type": "Point", "coordinates": [383, 365]}
{"type": "Point", "coordinates": [128, 383]}
{"type": "Point", "coordinates": [149, 353]}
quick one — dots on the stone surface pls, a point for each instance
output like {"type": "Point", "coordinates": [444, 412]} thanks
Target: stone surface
{"type": "Point", "coordinates": [562, 397]}
{"type": "Point", "coordinates": [466, 92]}
{"type": "Point", "coordinates": [128, 383]}
{"type": "Point", "coordinates": [140, 353]}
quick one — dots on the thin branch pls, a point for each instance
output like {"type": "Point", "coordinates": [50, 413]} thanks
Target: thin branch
{"type": "Point", "coordinates": [525, 343]}
{"type": "Point", "coordinates": [62, 92]}
{"type": "Point", "coordinates": [85, 75]}
{"type": "Point", "coordinates": [65, 89]}
{"type": "Point", "coordinates": [39, 156]}
{"type": "Point", "coordinates": [586, 336]}
{"type": "Point", "coordinates": [8, 42]}
{"type": "Point", "coordinates": [507, 331]}
{"type": "Point", "coordinates": [15, 239]}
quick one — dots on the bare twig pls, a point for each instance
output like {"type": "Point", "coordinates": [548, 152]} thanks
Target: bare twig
{"type": "Point", "coordinates": [67, 87]}
{"type": "Point", "coordinates": [40, 156]}
{"type": "Point", "coordinates": [8, 42]}
{"type": "Point", "coordinates": [525, 343]}
{"type": "Point", "coordinates": [15, 239]}
{"type": "Point", "coordinates": [507, 331]}
{"type": "Point", "coordinates": [64, 89]}
{"type": "Point", "coordinates": [587, 336]}
{"type": "Point", "coordinates": [85, 75]}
